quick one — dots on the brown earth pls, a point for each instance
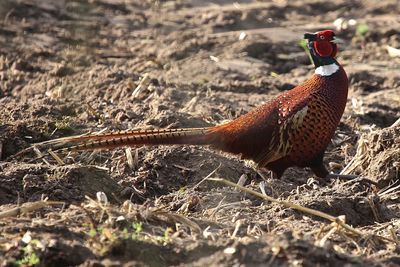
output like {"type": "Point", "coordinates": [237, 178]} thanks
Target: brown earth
{"type": "Point", "coordinates": [70, 67]}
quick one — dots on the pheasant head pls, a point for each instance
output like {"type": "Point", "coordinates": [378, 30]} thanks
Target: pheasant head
{"type": "Point", "coordinates": [323, 49]}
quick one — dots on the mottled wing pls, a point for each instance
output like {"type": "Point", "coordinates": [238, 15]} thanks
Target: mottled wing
{"type": "Point", "coordinates": [288, 128]}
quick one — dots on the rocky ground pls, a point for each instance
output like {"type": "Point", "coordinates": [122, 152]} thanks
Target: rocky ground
{"type": "Point", "coordinates": [72, 67]}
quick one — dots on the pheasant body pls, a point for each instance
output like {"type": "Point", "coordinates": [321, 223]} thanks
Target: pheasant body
{"type": "Point", "coordinates": [294, 129]}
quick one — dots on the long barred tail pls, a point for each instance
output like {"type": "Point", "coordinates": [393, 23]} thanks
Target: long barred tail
{"type": "Point", "coordinates": [189, 136]}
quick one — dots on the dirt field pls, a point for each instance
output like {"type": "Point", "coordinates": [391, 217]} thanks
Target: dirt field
{"type": "Point", "coordinates": [72, 67]}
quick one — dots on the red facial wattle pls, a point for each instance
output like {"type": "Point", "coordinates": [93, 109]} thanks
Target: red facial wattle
{"type": "Point", "coordinates": [324, 49]}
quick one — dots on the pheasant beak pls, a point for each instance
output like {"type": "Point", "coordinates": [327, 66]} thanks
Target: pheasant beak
{"type": "Point", "coordinates": [336, 40]}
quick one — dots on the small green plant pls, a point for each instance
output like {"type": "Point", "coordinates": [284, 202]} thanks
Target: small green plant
{"type": "Point", "coordinates": [182, 189]}
{"type": "Point", "coordinates": [303, 44]}
{"type": "Point", "coordinates": [29, 257]}
{"type": "Point", "coordinates": [64, 124]}
{"type": "Point", "coordinates": [137, 229]}
{"type": "Point", "coordinates": [125, 234]}
{"type": "Point", "coordinates": [360, 37]}
{"type": "Point", "coordinates": [28, 260]}
{"type": "Point", "coordinates": [165, 238]}
{"type": "Point", "coordinates": [167, 234]}
{"type": "Point", "coordinates": [253, 77]}
{"type": "Point", "coordinates": [362, 30]}
{"type": "Point", "coordinates": [92, 232]}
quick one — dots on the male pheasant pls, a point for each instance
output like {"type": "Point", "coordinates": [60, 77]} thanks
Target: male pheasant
{"type": "Point", "coordinates": [294, 129]}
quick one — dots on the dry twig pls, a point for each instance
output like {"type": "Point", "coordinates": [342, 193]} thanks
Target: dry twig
{"type": "Point", "coordinates": [337, 220]}
{"type": "Point", "coordinates": [28, 207]}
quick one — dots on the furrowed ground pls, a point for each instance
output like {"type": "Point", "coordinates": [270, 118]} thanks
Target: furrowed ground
{"type": "Point", "coordinates": [72, 67]}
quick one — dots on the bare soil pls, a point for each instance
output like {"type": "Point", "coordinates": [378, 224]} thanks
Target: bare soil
{"type": "Point", "coordinates": [71, 67]}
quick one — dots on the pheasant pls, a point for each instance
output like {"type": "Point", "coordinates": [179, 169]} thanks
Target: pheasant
{"type": "Point", "coordinates": [293, 129]}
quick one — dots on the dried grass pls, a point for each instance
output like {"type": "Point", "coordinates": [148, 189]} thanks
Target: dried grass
{"type": "Point", "coordinates": [338, 223]}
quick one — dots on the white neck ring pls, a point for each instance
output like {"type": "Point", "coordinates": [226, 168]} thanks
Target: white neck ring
{"type": "Point", "coordinates": [327, 70]}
